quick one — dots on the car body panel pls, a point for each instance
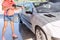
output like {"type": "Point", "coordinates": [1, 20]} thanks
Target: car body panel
{"type": "Point", "coordinates": [49, 22]}
{"type": "Point", "coordinates": [44, 22]}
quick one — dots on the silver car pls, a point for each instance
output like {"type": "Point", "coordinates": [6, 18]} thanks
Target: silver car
{"type": "Point", "coordinates": [43, 19]}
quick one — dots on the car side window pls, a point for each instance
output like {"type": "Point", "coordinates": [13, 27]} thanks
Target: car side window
{"type": "Point", "coordinates": [29, 7]}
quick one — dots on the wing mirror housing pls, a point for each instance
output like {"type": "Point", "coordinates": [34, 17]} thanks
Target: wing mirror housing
{"type": "Point", "coordinates": [29, 12]}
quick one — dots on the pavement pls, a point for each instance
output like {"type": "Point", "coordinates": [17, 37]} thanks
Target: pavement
{"type": "Point", "coordinates": [8, 33]}
{"type": "Point", "coordinates": [26, 33]}
{"type": "Point", "coordinates": [22, 32]}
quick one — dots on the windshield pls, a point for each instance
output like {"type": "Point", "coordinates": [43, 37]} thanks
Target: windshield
{"type": "Point", "coordinates": [47, 7]}
{"type": "Point", "coordinates": [54, 0]}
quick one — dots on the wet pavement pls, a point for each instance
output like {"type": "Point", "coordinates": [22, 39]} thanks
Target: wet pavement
{"type": "Point", "coordinates": [26, 33]}
{"type": "Point", "coordinates": [22, 32]}
{"type": "Point", "coordinates": [8, 33]}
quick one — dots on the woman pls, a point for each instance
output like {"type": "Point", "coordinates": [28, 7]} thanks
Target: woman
{"type": "Point", "coordinates": [8, 16]}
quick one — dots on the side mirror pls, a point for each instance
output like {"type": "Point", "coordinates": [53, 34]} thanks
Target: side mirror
{"type": "Point", "coordinates": [28, 12]}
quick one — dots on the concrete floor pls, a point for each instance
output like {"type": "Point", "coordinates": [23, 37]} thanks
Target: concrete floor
{"type": "Point", "coordinates": [8, 33]}
{"type": "Point", "coordinates": [22, 31]}
{"type": "Point", "coordinates": [26, 33]}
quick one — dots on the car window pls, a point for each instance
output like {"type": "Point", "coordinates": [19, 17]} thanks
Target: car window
{"type": "Point", "coordinates": [47, 7]}
{"type": "Point", "coordinates": [54, 0]}
{"type": "Point", "coordinates": [28, 6]}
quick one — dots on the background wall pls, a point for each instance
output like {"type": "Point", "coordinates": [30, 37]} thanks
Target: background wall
{"type": "Point", "coordinates": [1, 12]}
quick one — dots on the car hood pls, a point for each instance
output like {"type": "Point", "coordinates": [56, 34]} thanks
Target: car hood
{"type": "Point", "coordinates": [53, 23]}
{"type": "Point", "coordinates": [52, 18]}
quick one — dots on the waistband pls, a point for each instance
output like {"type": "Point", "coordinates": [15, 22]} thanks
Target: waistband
{"type": "Point", "coordinates": [9, 16]}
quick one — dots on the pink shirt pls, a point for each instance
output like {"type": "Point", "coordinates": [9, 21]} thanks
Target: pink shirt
{"type": "Point", "coordinates": [7, 4]}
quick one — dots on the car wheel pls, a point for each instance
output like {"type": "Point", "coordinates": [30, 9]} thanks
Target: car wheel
{"type": "Point", "coordinates": [40, 34]}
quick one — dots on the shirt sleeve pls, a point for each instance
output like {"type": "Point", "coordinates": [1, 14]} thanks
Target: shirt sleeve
{"type": "Point", "coordinates": [4, 4]}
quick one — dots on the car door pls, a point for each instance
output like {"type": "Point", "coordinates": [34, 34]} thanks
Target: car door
{"type": "Point", "coordinates": [27, 16]}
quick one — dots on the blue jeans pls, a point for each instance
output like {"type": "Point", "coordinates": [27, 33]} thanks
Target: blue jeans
{"type": "Point", "coordinates": [9, 18]}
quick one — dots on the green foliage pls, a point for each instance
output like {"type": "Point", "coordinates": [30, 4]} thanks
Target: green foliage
{"type": "Point", "coordinates": [30, 0]}
{"type": "Point", "coordinates": [15, 0]}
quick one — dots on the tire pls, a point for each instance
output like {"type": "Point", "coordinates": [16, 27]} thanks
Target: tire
{"type": "Point", "coordinates": [40, 34]}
